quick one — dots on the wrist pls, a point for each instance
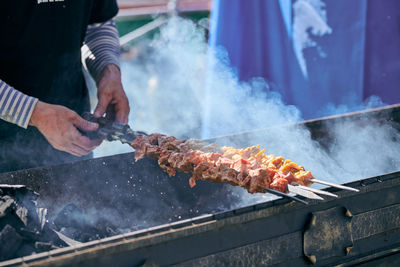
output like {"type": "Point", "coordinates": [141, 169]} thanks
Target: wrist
{"type": "Point", "coordinates": [37, 113]}
{"type": "Point", "coordinates": [111, 71]}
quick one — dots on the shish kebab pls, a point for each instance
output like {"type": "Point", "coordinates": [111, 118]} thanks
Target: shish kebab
{"type": "Point", "coordinates": [249, 168]}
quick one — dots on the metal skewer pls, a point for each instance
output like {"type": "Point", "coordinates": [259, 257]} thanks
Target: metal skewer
{"type": "Point", "coordinates": [301, 192]}
{"type": "Point", "coordinates": [278, 193]}
{"type": "Point", "coordinates": [334, 185]}
{"type": "Point", "coordinates": [318, 191]}
{"type": "Point", "coordinates": [116, 131]}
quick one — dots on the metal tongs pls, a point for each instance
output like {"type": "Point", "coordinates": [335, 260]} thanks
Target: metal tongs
{"type": "Point", "coordinates": [111, 130]}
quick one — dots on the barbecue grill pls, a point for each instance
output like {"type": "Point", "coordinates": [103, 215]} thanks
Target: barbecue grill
{"type": "Point", "coordinates": [170, 223]}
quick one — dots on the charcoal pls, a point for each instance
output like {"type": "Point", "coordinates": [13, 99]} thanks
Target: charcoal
{"type": "Point", "coordinates": [28, 230]}
{"type": "Point", "coordinates": [111, 232]}
{"type": "Point", "coordinates": [22, 213]}
{"type": "Point", "coordinates": [8, 213]}
{"type": "Point", "coordinates": [84, 234]}
{"type": "Point", "coordinates": [42, 213]}
{"type": "Point", "coordinates": [6, 205]}
{"type": "Point", "coordinates": [20, 192]}
{"type": "Point", "coordinates": [71, 216]}
{"type": "Point", "coordinates": [29, 234]}
{"type": "Point", "coordinates": [105, 228]}
{"type": "Point", "coordinates": [27, 248]}
{"type": "Point", "coordinates": [48, 235]}
{"type": "Point", "coordinates": [87, 237]}
{"type": "Point", "coordinates": [71, 232]}
{"type": "Point", "coordinates": [10, 242]}
{"type": "Point", "coordinates": [42, 235]}
{"type": "Point", "coordinates": [73, 223]}
{"type": "Point", "coordinates": [43, 246]}
{"type": "Point", "coordinates": [23, 226]}
{"type": "Point", "coordinates": [17, 210]}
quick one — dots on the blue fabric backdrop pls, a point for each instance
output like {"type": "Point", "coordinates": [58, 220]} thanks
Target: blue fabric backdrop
{"type": "Point", "coordinates": [359, 56]}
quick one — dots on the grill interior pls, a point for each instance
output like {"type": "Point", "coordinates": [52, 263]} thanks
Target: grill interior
{"type": "Point", "coordinates": [139, 195]}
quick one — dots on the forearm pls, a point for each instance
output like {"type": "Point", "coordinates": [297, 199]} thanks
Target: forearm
{"type": "Point", "coordinates": [101, 47]}
{"type": "Point", "coordinates": [15, 107]}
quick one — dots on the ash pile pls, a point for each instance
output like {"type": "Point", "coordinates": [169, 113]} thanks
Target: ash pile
{"type": "Point", "coordinates": [25, 229]}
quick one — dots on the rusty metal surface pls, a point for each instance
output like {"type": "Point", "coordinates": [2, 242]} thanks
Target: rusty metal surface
{"type": "Point", "coordinates": [328, 234]}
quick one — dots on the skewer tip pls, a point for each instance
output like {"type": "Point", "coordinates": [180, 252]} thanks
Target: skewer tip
{"type": "Point", "coordinates": [334, 185]}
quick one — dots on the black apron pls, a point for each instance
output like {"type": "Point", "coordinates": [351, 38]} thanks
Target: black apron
{"type": "Point", "coordinates": [40, 56]}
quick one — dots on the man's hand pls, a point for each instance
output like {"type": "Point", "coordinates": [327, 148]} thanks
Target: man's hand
{"type": "Point", "coordinates": [111, 95]}
{"type": "Point", "coordinates": [59, 125]}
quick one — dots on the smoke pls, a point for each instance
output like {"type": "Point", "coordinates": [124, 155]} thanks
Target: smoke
{"type": "Point", "coordinates": [178, 86]}
{"type": "Point", "coordinates": [232, 106]}
{"type": "Point", "coordinates": [365, 151]}
{"type": "Point", "coordinates": [352, 104]}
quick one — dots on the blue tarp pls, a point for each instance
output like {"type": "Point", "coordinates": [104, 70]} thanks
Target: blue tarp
{"type": "Point", "coordinates": [316, 53]}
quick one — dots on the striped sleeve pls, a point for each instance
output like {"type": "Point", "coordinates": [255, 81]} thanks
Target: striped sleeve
{"type": "Point", "coordinates": [15, 107]}
{"type": "Point", "coordinates": [101, 47]}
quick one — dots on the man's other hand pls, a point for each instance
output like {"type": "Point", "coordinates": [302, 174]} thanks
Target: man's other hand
{"type": "Point", "coordinates": [60, 127]}
{"type": "Point", "coordinates": [112, 98]}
